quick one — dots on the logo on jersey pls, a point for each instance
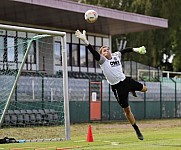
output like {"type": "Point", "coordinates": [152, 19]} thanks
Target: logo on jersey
{"type": "Point", "coordinates": [115, 62]}
{"type": "Point", "coordinates": [115, 58]}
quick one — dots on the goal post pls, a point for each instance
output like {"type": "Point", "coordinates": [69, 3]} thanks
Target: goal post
{"type": "Point", "coordinates": [40, 34]}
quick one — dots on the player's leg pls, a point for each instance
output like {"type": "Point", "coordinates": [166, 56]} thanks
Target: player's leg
{"type": "Point", "coordinates": [136, 86]}
{"type": "Point", "coordinates": [121, 91]}
{"type": "Point", "coordinates": [144, 89]}
{"type": "Point", "coordinates": [123, 101]}
{"type": "Point", "coordinates": [130, 117]}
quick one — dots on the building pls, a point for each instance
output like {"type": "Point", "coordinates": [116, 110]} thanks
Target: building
{"type": "Point", "coordinates": [68, 16]}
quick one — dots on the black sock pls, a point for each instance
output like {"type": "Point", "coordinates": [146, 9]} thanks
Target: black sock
{"type": "Point", "coordinates": [135, 126]}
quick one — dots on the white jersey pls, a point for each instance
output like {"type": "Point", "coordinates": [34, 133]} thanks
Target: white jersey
{"type": "Point", "coordinates": [112, 68]}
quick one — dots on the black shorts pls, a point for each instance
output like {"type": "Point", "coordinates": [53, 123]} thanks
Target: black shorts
{"type": "Point", "coordinates": [121, 90]}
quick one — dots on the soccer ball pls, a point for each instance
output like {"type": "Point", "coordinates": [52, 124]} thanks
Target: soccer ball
{"type": "Point", "coordinates": [91, 16]}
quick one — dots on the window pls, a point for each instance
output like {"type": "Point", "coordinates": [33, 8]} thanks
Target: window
{"type": "Point", "coordinates": [98, 41]}
{"type": "Point", "coordinates": [75, 39]}
{"type": "Point", "coordinates": [68, 55]}
{"type": "Point", "coordinates": [10, 49]}
{"type": "Point", "coordinates": [97, 64]}
{"type": "Point", "coordinates": [90, 60]}
{"type": "Point", "coordinates": [21, 49]}
{"type": "Point", "coordinates": [91, 39]}
{"type": "Point", "coordinates": [1, 48]}
{"type": "Point", "coordinates": [82, 56]}
{"type": "Point", "coordinates": [32, 53]}
{"type": "Point", "coordinates": [58, 53]}
{"type": "Point", "coordinates": [74, 54]}
{"type": "Point", "coordinates": [106, 42]}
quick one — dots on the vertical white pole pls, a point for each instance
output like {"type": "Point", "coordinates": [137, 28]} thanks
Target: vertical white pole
{"type": "Point", "coordinates": [168, 75]}
{"type": "Point", "coordinates": [33, 89]}
{"type": "Point", "coordinates": [65, 89]}
{"type": "Point", "coordinates": [51, 94]}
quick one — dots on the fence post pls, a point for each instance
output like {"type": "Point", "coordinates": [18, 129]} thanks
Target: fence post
{"type": "Point", "coordinates": [109, 102]}
{"type": "Point", "coordinates": [175, 96]}
{"type": "Point", "coordinates": [160, 99]}
{"type": "Point", "coordinates": [42, 94]}
{"type": "Point", "coordinates": [144, 102]}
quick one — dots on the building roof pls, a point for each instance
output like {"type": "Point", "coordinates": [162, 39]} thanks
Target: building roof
{"type": "Point", "coordinates": [63, 14]}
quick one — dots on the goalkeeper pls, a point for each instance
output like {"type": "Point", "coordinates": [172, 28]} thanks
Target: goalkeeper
{"type": "Point", "coordinates": [121, 85]}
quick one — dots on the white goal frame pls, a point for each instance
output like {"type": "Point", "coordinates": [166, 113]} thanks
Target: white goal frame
{"type": "Point", "coordinates": [151, 71]}
{"type": "Point", "coordinates": [64, 69]}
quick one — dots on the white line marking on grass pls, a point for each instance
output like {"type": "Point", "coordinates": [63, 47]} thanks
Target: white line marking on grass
{"type": "Point", "coordinates": [114, 143]}
{"type": "Point", "coordinates": [80, 141]}
{"type": "Point", "coordinates": [107, 141]}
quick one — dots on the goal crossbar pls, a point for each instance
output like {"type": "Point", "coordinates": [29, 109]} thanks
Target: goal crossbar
{"type": "Point", "coordinates": [34, 30]}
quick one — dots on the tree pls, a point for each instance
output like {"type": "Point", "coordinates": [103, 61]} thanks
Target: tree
{"type": "Point", "coordinates": [154, 40]}
{"type": "Point", "coordinates": [165, 38]}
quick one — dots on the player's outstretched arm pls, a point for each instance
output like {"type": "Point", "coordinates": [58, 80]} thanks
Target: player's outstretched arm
{"type": "Point", "coordinates": [140, 50]}
{"type": "Point", "coordinates": [82, 36]}
{"type": "Point", "coordinates": [126, 50]}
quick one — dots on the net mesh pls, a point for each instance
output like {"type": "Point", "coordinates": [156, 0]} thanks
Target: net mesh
{"type": "Point", "coordinates": [35, 110]}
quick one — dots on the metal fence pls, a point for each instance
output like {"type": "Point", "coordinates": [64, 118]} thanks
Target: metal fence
{"type": "Point", "coordinates": [162, 100]}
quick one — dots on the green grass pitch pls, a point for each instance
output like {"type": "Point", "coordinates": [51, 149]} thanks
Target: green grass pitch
{"type": "Point", "coordinates": [162, 134]}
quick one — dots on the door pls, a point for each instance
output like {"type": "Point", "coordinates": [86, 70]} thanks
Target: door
{"type": "Point", "coordinates": [95, 100]}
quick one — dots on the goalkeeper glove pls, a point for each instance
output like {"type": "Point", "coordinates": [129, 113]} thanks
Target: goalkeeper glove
{"type": "Point", "coordinates": [82, 36]}
{"type": "Point", "coordinates": [141, 50]}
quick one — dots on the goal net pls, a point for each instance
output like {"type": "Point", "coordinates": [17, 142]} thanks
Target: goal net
{"type": "Point", "coordinates": [149, 74]}
{"type": "Point", "coordinates": [33, 84]}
